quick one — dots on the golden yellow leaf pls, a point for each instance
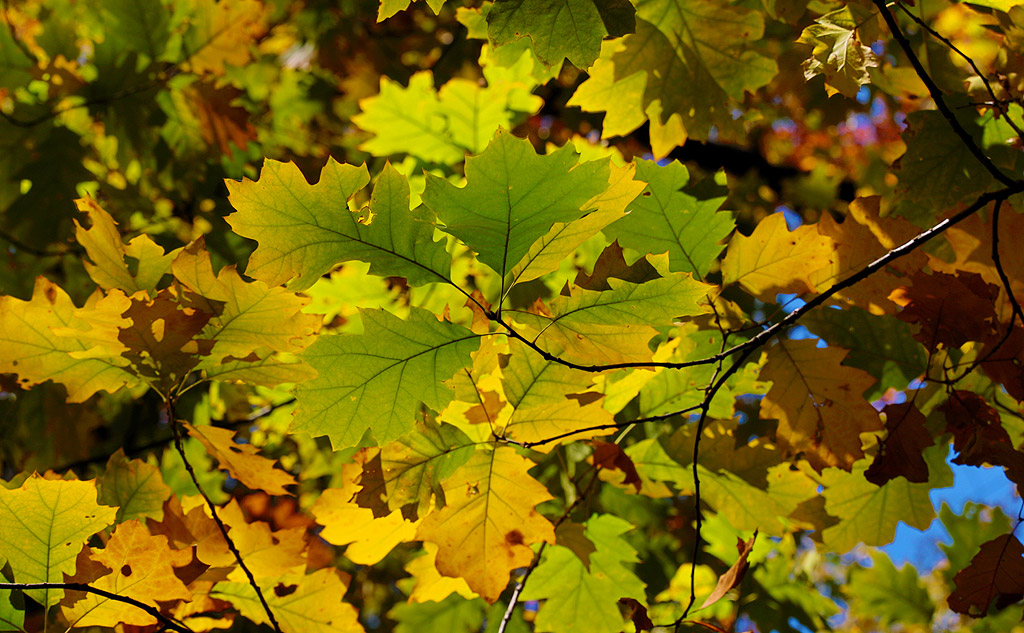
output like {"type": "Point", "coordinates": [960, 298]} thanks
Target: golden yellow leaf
{"type": "Point", "coordinates": [36, 354]}
{"type": "Point", "coordinates": [301, 604]}
{"type": "Point", "coordinates": [267, 554]}
{"type": "Point", "coordinates": [243, 461]}
{"type": "Point", "coordinates": [431, 586]}
{"type": "Point", "coordinates": [369, 539]}
{"type": "Point", "coordinates": [142, 567]}
{"type": "Point", "coordinates": [774, 259]}
{"type": "Point", "coordinates": [486, 530]}
{"type": "Point", "coordinates": [220, 33]}
{"type": "Point", "coordinates": [818, 402]}
{"type": "Point", "coordinates": [108, 266]}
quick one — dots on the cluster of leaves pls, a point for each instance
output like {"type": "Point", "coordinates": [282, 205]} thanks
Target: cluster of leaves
{"type": "Point", "coordinates": [463, 370]}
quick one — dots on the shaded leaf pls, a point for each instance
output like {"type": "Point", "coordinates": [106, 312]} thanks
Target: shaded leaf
{"type": "Point", "coordinates": [996, 573]}
{"type": "Point", "coordinates": [899, 454]}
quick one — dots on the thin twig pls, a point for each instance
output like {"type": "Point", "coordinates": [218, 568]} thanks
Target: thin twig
{"type": "Point", "coordinates": [997, 103]}
{"type": "Point", "coordinates": [1018, 313]}
{"type": "Point", "coordinates": [77, 586]}
{"type": "Point", "coordinates": [937, 97]}
{"type": "Point", "coordinates": [179, 445]}
{"type": "Point", "coordinates": [601, 427]}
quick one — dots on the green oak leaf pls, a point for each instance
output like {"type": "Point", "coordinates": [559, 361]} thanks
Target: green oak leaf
{"type": "Point", "coordinates": [888, 595]}
{"type": "Point", "coordinates": [377, 380]}
{"type": "Point", "coordinates": [582, 599]}
{"type": "Point", "coordinates": [561, 29]}
{"type": "Point", "coordinates": [513, 197]}
{"type": "Point", "coordinates": [614, 325]}
{"type": "Point", "coordinates": [868, 513]}
{"type": "Point", "coordinates": [135, 488]}
{"type": "Point", "coordinates": [937, 171]}
{"type": "Point", "coordinates": [45, 523]}
{"type": "Point", "coordinates": [304, 230]}
{"type": "Point", "coordinates": [977, 525]}
{"type": "Point", "coordinates": [389, 8]}
{"type": "Point", "coordinates": [694, 59]}
{"type": "Point", "coordinates": [667, 218]}
{"type": "Point", "coordinates": [138, 26]}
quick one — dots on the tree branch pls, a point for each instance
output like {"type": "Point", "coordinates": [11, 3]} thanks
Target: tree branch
{"type": "Point", "coordinates": [77, 586]}
{"type": "Point", "coordinates": [937, 97]}
{"type": "Point", "coordinates": [179, 445]}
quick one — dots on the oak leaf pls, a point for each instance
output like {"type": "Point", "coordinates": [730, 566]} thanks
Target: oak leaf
{"type": "Point", "coordinates": [44, 524]}
{"type": "Point", "coordinates": [242, 460]}
{"type": "Point", "coordinates": [818, 402]}
{"type": "Point", "coordinates": [996, 573]}
{"type": "Point", "coordinates": [486, 530]}
{"type": "Point", "coordinates": [142, 567]}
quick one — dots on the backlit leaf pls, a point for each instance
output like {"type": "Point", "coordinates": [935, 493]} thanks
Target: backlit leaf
{"type": "Point", "coordinates": [45, 523]}
{"type": "Point", "coordinates": [485, 531]}
{"type": "Point", "coordinates": [399, 362]}
{"type": "Point", "coordinates": [242, 460]}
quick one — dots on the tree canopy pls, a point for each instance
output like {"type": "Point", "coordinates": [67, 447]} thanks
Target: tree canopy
{"type": "Point", "coordinates": [510, 316]}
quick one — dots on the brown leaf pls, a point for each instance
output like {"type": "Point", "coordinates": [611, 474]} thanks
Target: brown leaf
{"type": "Point", "coordinates": [734, 575]}
{"type": "Point", "coordinates": [372, 492]}
{"type": "Point", "coordinates": [611, 263]}
{"type": "Point", "coordinates": [951, 310]}
{"type": "Point", "coordinates": [979, 437]}
{"type": "Point", "coordinates": [899, 454]}
{"type": "Point", "coordinates": [614, 458]}
{"type": "Point", "coordinates": [996, 572]}
{"type": "Point", "coordinates": [572, 535]}
{"type": "Point", "coordinates": [637, 613]}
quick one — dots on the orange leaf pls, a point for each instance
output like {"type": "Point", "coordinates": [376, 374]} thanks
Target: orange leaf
{"type": "Point", "coordinates": [241, 460]}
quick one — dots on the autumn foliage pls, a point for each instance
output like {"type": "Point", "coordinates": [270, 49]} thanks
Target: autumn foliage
{"type": "Point", "coordinates": [584, 315]}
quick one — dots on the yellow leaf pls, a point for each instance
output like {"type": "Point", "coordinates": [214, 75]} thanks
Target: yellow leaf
{"type": "Point", "coordinates": [485, 531]}
{"type": "Point", "coordinates": [301, 604]}
{"type": "Point", "coordinates": [369, 539]}
{"type": "Point", "coordinates": [267, 554]}
{"type": "Point", "coordinates": [818, 402]}
{"type": "Point", "coordinates": [220, 33]}
{"type": "Point", "coordinates": [241, 460]}
{"type": "Point", "coordinates": [142, 567]}
{"type": "Point", "coordinates": [44, 524]}
{"type": "Point", "coordinates": [32, 350]}
{"type": "Point", "coordinates": [548, 398]}
{"type": "Point", "coordinates": [103, 245]}
{"type": "Point", "coordinates": [774, 259]}
{"type": "Point", "coordinates": [431, 586]}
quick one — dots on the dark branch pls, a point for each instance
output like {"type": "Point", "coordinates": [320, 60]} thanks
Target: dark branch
{"type": "Point", "coordinates": [167, 622]}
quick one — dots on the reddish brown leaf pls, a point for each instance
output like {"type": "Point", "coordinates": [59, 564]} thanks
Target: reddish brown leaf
{"type": "Point", "coordinates": [995, 573]}
{"type": "Point", "coordinates": [899, 454]}
{"type": "Point", "coordinates": [611, 263]}
{"type": "Point", "coordinates": [1005, 363]}
{"type": "Point", "coordinates": [612, 457]}
{"type": "Point", "coordinates": [979, 437]}
{"type": "Point", "coordinates": [637, 613]}
{"type": "Point", "coordinates": [734, 575]}
{"type": "Point", "coordinates": [951, 310]}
